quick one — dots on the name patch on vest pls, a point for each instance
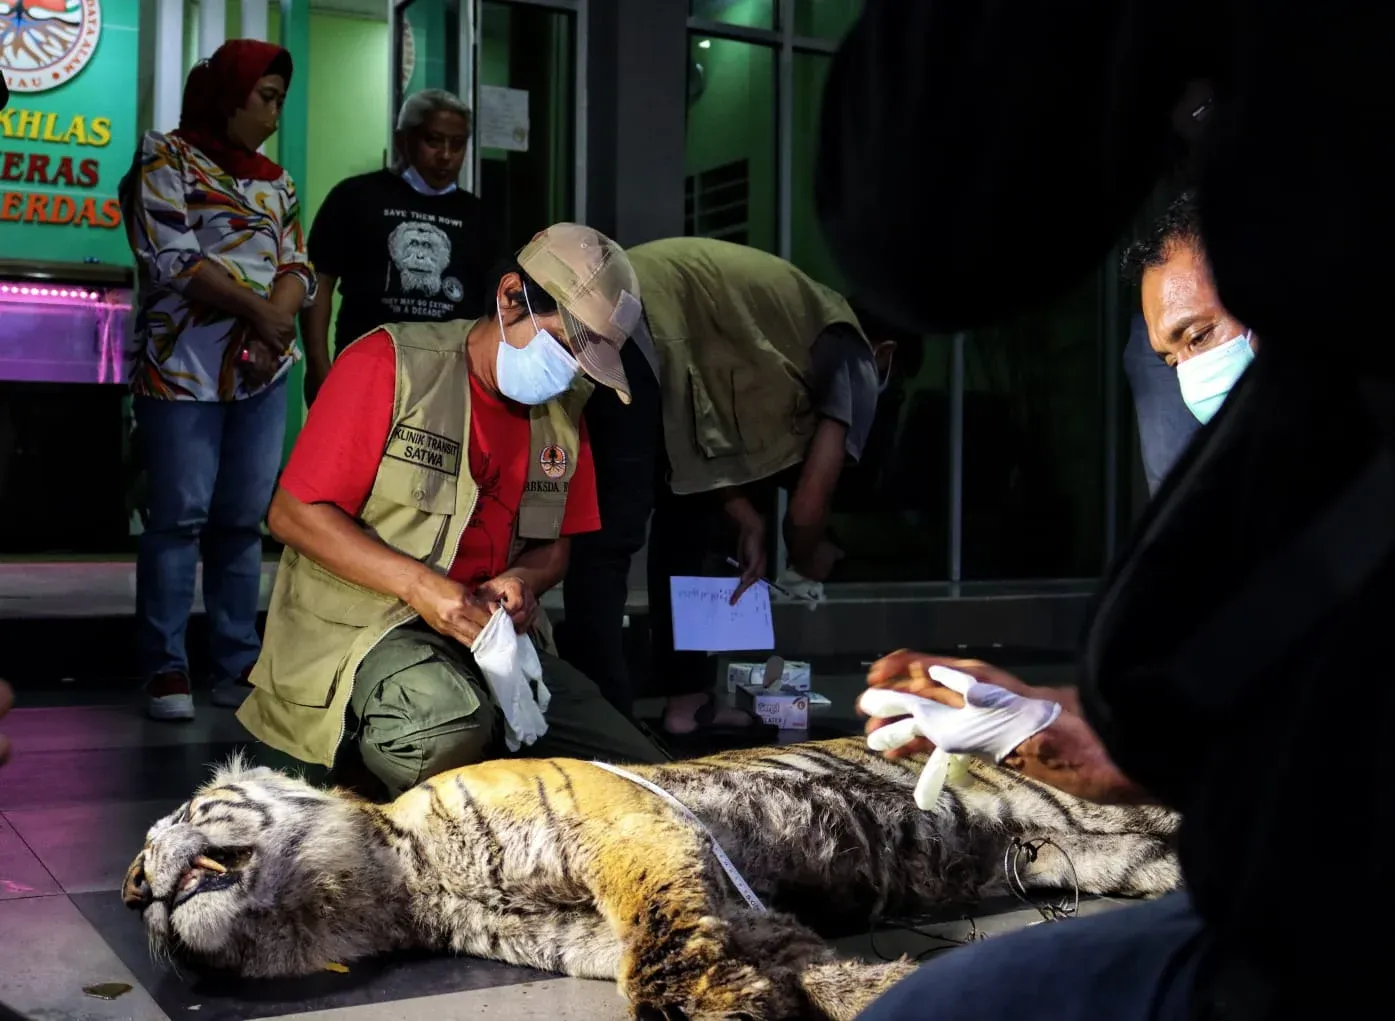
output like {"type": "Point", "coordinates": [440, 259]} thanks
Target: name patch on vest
{"type": "Point", "coordinates": [417, 446]}
{"type": "Point", "coordinates": [538, 486]}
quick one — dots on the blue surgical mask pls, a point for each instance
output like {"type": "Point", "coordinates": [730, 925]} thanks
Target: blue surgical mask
{"type": "Point", "coordinates": [420, 186]}
{"type": "Point", "coordinates": [537, 372]}
{"type": "Point", "coordinates": [1207, 378]}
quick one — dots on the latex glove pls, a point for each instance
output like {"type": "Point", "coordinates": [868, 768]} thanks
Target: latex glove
{"type": "Point", "coordinates": [508, 662]}
{"type": "Point", "coordinates": [991, 723]}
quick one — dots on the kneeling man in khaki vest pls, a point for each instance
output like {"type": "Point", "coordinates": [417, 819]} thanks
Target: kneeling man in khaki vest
{"type": "Point", "coordinates": [437, 479]}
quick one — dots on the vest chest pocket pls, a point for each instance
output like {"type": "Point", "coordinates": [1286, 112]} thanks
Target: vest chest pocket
{"type": "Point", "coordinates": [410, 508]}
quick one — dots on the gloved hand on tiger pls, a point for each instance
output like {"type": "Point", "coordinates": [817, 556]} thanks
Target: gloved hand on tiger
{"type": "Point", "coordinates": [989, 721]}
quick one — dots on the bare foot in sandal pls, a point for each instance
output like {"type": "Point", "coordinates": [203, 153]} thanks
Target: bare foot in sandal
{"type": "Point", "coordinates": [687, 714]}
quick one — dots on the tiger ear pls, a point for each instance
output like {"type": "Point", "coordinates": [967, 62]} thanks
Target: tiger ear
{"type": "Point", "coordinates": [239, 767]}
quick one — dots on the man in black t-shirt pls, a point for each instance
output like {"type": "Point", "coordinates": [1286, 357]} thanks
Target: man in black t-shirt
{"type": "Point", "coordinates": [405, 244]}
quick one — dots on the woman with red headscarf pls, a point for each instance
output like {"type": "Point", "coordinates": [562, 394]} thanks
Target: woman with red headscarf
{"type": "Point", "coordinates": [215, 227]}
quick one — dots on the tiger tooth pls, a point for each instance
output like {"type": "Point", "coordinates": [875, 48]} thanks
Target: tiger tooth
{"type": "Point", "coordinates": [205, 862]}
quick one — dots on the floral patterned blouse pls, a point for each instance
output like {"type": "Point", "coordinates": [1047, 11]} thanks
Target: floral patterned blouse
{"type": "Point", "coordinates": [181, 209]}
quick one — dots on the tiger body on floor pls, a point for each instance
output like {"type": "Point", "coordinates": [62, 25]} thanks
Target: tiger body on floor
{"type": "Point", "coordinates": [563, 866]}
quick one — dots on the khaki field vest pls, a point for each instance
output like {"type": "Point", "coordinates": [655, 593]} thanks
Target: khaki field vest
{"type": "Point", "coordinates": [319, 627]}
{"type": "Point", "coordinates": [733, 327]}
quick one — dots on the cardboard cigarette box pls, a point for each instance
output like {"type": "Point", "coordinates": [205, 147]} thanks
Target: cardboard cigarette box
{"type": "Point", "coordinates": [784, 708]}
{"type": "Point", "coordinates": [795, 676]}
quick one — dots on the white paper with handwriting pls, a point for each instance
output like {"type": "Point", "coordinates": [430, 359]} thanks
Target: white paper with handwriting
{"type": "Point", "coordinates": [705, 621]}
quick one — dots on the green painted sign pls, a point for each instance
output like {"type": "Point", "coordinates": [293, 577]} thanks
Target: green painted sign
{"type": "Point", "coordinates": [69, 133]}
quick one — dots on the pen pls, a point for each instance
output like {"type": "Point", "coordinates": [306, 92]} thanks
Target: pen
{"type": "Point", "coordinates": [770, 584]}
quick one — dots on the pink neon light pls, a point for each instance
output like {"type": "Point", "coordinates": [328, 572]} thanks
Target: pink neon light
{"type": "Point", "coordinates": [75, 294]}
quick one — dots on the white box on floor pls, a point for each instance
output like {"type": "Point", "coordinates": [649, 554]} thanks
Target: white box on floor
{"type": "Point", "coordinates": [785, 708]}
{"type": "Point", "coordinates": [795, 676]}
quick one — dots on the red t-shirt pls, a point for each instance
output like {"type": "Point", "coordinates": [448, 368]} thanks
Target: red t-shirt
{"type": "Point", "coordinates": [337, 454]}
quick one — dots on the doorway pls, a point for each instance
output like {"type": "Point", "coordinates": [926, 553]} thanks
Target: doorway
{"type": "Point", "coordinates": [516, 63]}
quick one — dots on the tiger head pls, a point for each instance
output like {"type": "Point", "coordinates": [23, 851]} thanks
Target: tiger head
{"type": "Point", "coordinates": [261, 874]}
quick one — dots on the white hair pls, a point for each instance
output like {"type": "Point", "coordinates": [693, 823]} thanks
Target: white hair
{"type": "Point", "coordinates": [421, 105]}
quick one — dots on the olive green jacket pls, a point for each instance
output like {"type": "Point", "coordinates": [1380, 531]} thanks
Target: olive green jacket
{"type": "Point", "coordinates": [319, 627]}
{"type": "Point", "coordinates": [733, 328]}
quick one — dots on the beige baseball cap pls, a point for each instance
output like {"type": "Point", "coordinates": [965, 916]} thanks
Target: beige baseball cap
{"type": "Point", "coordinates": [594, 285]}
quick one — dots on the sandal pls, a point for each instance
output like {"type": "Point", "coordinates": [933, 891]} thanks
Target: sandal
{"type": "Point", "coordinates": [707, 727]}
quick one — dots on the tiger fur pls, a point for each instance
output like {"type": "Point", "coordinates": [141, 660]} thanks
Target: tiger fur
{"type": "Point", "coordinates": [562, 866]}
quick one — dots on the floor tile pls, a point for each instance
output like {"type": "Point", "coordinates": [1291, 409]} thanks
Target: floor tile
{"type": "Point", "coordinates": [103, 775]}
{"type": "Point", "coordinates": [120, 725]}
{"type": "Point", "coordinates": [21, 873]}
{"type": "Point", "coordinates": [930, 936]}
{"type": "Point", "coordinates": [87, 848]}
{"type": "Point", "coordinates": [50, 954]}
{"type": "Point", "coordinates": [380, 981]}
{"type": "Point", "coordinates": [558, 999]}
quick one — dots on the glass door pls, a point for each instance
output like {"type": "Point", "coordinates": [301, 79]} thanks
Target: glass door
{"type": "Point", "coordinates": [525, 115]}
{"type": "Point", "coordinates": [516, 63]}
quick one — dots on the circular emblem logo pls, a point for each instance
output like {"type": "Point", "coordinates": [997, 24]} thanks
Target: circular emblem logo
{"type": "Point", "coordinates": [799, 705]}
{"type": "Point", "coordinates": [553, 460]}
{"type": "Point", "coordinates": [46, 43]}
{"type": "Point", "coordinates": [452, 288]}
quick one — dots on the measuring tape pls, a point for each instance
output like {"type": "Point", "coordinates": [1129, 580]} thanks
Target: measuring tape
{"type": "Point", "coordinates": [737, 880]}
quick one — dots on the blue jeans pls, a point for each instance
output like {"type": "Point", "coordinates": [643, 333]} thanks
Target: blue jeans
{"type": "Point", "coordinates": [1165, 423]}
{"type": "Point", "coordinates": [211, 470]}
{"type": "Point", "coordinates": [1136, 963]}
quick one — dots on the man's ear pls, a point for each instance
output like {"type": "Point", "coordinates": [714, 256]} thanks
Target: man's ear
{"type": "Point", "coordinates": [510, 284]}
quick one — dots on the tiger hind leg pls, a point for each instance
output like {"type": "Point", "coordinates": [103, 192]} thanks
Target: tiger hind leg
{"type": "Point", "coordinates": [689, 953]}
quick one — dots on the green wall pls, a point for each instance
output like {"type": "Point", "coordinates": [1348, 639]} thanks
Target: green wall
{"type": "Point", "coordinates": [82, 130]}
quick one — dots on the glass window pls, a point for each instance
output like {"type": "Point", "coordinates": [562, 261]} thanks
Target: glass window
{"type": "Point", "coordinates": [808, 250]}
{"type": "Point", "coordinates": [748, 13]}
{"type": "Point", "coordinates": [891, 511]}
{"type": "Point", "coordinates": [825, 19]}
{"type": "Point", "coordinates": [731, 180]}
{"type": "Point", "coordinates": [532, 49]}
{"type": "Point", "coordinates": [1034, 442]}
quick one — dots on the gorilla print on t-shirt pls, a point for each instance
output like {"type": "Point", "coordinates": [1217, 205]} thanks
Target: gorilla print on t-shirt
{"type": "Point", "coordinates": [420, 254]}
{"type": "Point", "coordinates": [402, 257]}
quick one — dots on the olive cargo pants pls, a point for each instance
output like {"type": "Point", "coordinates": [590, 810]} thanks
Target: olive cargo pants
{"type": "Point", "coordinates": [420, 706]}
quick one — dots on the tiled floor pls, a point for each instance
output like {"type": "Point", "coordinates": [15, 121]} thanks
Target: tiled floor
{"type": "Point", "coordinates": [90, 774]}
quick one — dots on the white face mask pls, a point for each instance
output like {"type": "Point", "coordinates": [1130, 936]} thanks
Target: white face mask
{"type": "Point", "coordinates": [1207, 378]}
{"type": "Point", "coordinates": [420, 186]}
{"type": "Point", "coordinates": [537, 372]}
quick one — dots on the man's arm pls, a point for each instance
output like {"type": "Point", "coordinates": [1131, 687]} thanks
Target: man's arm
{"type": "Point", "coordinates": [1068, 754]}
{"type": "Point", "coordinates": [328, 536]}
{"type": "Point", "coordinates": [541, 566]}
{"type": "Point", "coordinates": [325, 253]}
{"type": "Point", "coordinates": [806, 519]}
{"type": "Point", "coordinates": [314, 332]}
{"type": "Point", "coordinates": [750, 543]}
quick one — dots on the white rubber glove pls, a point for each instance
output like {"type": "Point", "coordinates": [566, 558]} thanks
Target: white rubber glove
{"type": "Point", "coordinates": [992, 722]}
{"type": "Point", "coordinates": [508, 662]}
